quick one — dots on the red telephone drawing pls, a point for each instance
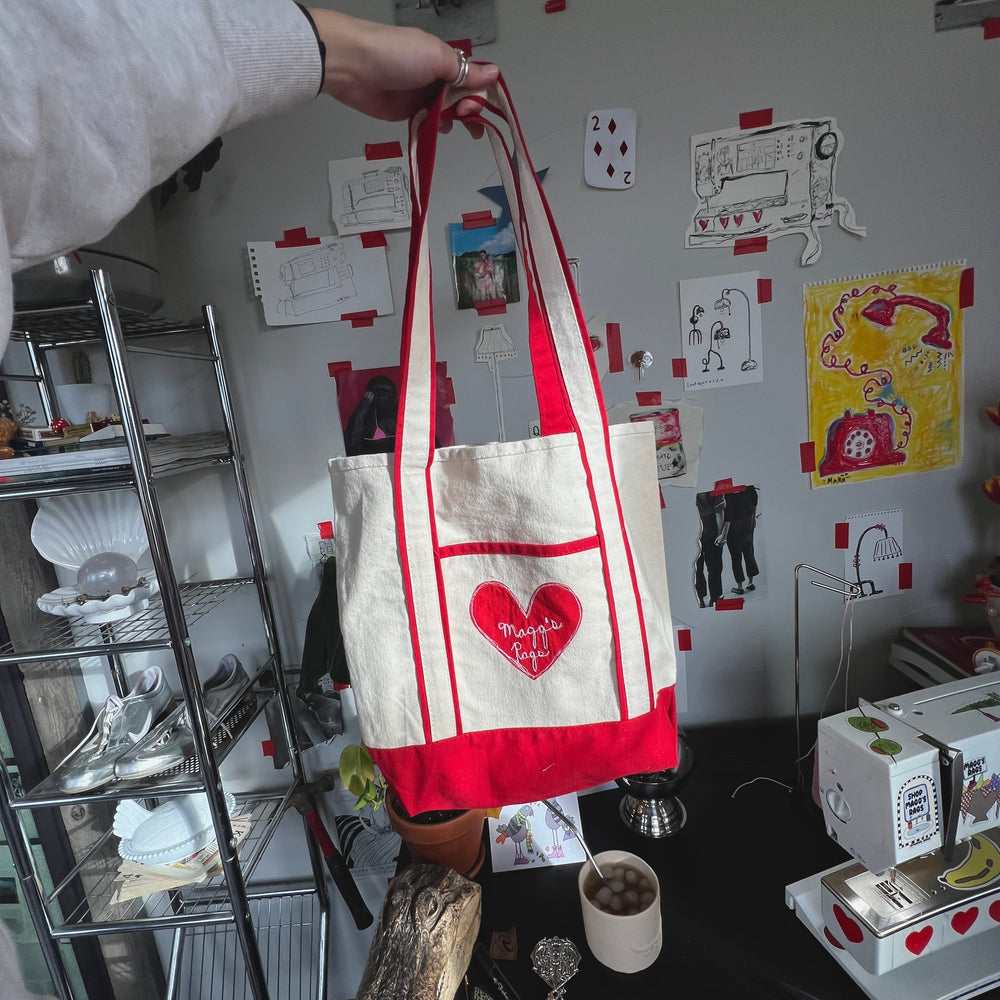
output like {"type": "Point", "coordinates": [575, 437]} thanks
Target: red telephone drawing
{"type": "Point", "coordinates": [859, 441]}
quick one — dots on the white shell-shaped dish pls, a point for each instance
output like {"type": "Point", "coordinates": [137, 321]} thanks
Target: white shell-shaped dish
{"type": "Point", "coordinates": [171, 832]}
{"type": "Point", "coordinates": [69, 530]}
{"type": "Point", "coordinates": [64, 602]}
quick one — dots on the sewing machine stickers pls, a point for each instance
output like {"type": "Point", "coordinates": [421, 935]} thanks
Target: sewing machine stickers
{"type": "Point", "coordinates": [531, 835]}
{"type": "Point", "coordinates": [873, 551]}
{"type": "Point", "coordinates": [321, 280]}
{"type": "Point", "coordinates": [484, 261]}
{"type": "Point", "coordinates": [721, 331]}
{"type": "Point", "coordinates": [366, 195]}
{"type": "Point", "coordinates": [762, 183]}
{"type": "Point", "coordinates": [884, 372]}
{"type": "Point", "coordinates": [678, 426]}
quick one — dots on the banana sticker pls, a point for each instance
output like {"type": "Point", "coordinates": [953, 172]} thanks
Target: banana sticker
{"type": "Point", "coordinates": [980, 867]}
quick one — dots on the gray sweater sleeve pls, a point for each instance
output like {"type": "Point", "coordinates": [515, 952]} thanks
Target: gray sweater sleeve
{"type": "Point", "coordinates": [103, 99]}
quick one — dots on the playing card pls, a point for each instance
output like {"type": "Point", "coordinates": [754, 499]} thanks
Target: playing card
{"type": "Point", "coordinates": [609, 148]}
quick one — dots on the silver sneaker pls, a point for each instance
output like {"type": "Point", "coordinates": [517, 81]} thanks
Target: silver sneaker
{"type": "Point", "coordinates": [172, 742]}
{"type": "Point", "coordinates": [121, 724]}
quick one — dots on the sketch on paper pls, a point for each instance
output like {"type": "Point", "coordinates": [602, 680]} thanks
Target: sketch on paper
{"type": "Point", "coordinates": [728, 517]}
{"type": "Point", "coordinates": [530, 835]}
{"type": "Point", "coordinates": [321, 282]}
{"type": "Point", "coordinates": [874, 552]}
{"type": "Point", "coordinates": [721, 336]}
{"type": "Point", "coordinates": [884, 373]}
{"type": "Point", "coordinates": [369, 194]}
{"type": "Point", "coordinates": [771, 181]}
{"type": "Point", "coordinates": [678, 427]}
{"type": "Point", "coordinates": [475, 20]}
{"type": "Point", "coordinates": [484, 261]}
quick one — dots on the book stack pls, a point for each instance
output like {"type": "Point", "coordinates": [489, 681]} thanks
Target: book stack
{"type": "Point", "coordinates": [936, 655]}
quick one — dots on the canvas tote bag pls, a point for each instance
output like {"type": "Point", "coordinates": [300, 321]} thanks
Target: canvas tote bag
{"type": "Point", "coordinates": [504, 606]}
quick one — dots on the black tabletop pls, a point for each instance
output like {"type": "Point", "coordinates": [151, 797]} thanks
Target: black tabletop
{"type": "Point", "coordinates": [726, 929]}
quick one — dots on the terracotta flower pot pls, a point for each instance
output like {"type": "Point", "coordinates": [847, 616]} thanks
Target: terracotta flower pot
{"type": "Point", "coordinates": [456, 842]}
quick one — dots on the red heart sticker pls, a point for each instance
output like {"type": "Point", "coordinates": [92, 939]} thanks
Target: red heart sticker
{"type": "Point", "coordinates": [851, 928]}
{"type": "Point", "coordinates": [758, 214]}
{"type": "Point", "coordinates": [703, 223]}
{"type": "Point", "coordinates": [994, 910]}
{"type": "Point", "coordinates": [831, 938]}
{"type": "Point", "coordinates": [738, 219]}
{"type": "Point", "coordinates": [964, 919]}
{"type": "Point", "coordinates": [918, 940]}
{"type": "Point", "coordinates": [534, 639]}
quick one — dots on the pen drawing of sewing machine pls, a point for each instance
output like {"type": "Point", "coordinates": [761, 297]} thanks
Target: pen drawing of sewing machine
{"type": "Point", "coordinates": [317, 279]}
{"type": "Point", "coordinates": [910, 787]}
{"type": "Point", "coordinates": [768, 182]}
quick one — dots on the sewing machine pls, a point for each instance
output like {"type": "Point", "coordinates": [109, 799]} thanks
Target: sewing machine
{"type": "Point", "coordinates": [911, 788]}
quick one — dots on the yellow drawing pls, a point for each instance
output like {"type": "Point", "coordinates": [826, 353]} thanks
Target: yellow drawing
{"type": "Point", "coordinates": [884, 373]}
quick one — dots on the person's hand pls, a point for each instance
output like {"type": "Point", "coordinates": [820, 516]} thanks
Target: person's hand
{"type": "Point", "coordinates": [389, 72]}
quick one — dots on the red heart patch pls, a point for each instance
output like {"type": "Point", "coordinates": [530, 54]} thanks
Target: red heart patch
{"type": "Point", "coordinates": [851, 928]}
{"type": "Point", "coordinates": [995, 910]}
{"type": "Point", "coordinates": [831, 938]}
{"type": "Point", "coordinates": [918, 940]}
{"type": "Point", "coordinates": [703, 223]}
{"type": "Point", "coordinates": [534, 639]}
{"type": "Point", "coordinates": [738, 219]}
{"type": "Point", "coordinates": [757, 215]}
{"type": "Point", "coordinates": [724, 219]}
{"type": "Point", "coordinates": [964, 919]}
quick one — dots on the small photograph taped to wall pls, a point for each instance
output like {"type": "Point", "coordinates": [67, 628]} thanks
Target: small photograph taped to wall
{"type": "Point", "coordinates": [726, 564]}
{"type": "Point", "coordinates": [475, 20]}
{"type": "Point", "coordinates": [484, 261]}
{"type": "Point", "coordinates": [368, 402]}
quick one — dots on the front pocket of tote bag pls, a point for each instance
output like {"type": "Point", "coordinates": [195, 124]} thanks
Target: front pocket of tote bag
{"type": "Point", "coordinates": [531, 641]}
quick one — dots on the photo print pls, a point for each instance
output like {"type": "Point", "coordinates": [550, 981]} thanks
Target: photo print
{"type": "Point", "coordinates": [484, 262]}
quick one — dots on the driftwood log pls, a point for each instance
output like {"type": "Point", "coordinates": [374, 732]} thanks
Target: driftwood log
{"type": "Point", "coordinates": [424, 937]}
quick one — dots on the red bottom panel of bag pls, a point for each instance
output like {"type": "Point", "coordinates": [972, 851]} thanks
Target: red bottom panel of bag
{"type": "Point", "coordinates": [502, 767]}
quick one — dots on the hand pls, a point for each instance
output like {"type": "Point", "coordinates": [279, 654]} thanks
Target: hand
{"type": "Point", "coordinates": [389, 72]}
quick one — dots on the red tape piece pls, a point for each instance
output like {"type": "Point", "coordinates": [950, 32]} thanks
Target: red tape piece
{"type": "Point", "coordinates": [335, 368]}
{"type": "Point", "coordinates": [663, 503]}
{"type": "Point", "coordinates": [967, 284]}
{"type": "Point", "coordinates": [297, 238]}
{"type": "Point", "coordinates": [383, 150]}
{"type": "Point", "coordinates": [763, 290]}
{"type": "Point", "coordinates": [841, 535]}
{"type": "Point", "coordinates": [729, 604]}
{"type": "Point", "coordinates": [752, 244]}
{"type": "Point", "coordinates": [807, 456]}
{"type": "Point", "coordinates": [465, 44]}
{"type": "Point", "coordinates": [325, 529]}
{"type": "Point", "coordinates": [366, 318]}
{"type": "Point", "coordinates": [679, 367]}
{"type": "Point", "coordinates": [616, 363]}
{"type": "Point", "coordinates": [478, 220]}
{"type": "Point", "coordinates": [491, 307]}
{"type": "Point", "coordinates": [684, 640]}
{"type": "Point", "coordinates": [906, 576]}
{"type": "Point", "coordinates": [554, 6]}
{"type": "Point", "coordinates": [449, 392]}
{"type": "Point", "coordinates": [757, 119]}
{"type": "Point", "coordinates": [267, 748]}
{"type": "Point", "coordinates": [376, 238]}
{"type": "Point", "coordinates": [648, 398]}
{"type": "Point", "coordinates": [991, 28]}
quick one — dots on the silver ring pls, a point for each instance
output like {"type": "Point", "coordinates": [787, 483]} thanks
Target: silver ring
{"type": "Point", "coordinates": [463, 69]}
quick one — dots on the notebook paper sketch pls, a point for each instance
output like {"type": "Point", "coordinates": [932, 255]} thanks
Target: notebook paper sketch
{"type": "Point", "coordinates": [321, 283]}
{"type": "Point", "coordinates": [369, 194]}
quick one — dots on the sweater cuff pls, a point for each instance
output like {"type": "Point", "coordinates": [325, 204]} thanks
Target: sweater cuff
{"type": "Point", "coordinates": [274, 53]}
{"type": "Point", "coordinates": [319, 44]}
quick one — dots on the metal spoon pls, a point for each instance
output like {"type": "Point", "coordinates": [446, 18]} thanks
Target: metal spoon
{"type": "Point", "coordinates": [579, 835]}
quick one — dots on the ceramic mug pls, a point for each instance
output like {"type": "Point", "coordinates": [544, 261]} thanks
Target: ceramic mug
{"type": "Point", "coordinates": [624, 943]}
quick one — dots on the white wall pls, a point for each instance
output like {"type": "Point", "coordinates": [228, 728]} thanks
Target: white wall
{"type": "Point", "coordinates": [919, 165]}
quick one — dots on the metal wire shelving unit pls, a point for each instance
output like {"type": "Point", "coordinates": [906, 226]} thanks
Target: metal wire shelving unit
{"type": "Point", "coordinates": [221, 927]}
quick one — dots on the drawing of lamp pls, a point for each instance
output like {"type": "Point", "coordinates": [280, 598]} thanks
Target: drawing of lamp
{"type": "Point", "coordinates": [724, 304]}
{"type": "Point", "coordinates": [885, 548]}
